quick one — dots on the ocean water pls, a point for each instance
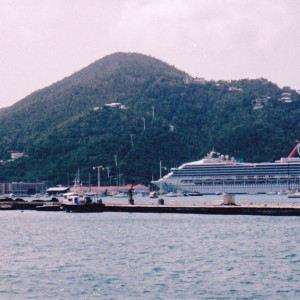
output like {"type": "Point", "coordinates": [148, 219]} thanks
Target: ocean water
{"type": "Point", "coordinates": [57, 255]}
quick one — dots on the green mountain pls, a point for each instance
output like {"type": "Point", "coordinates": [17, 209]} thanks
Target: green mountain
{"type": "Point", "coordinates": [165, 115]}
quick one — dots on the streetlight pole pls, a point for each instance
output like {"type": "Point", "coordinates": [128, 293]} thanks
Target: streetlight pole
{"type": "Point", "coordinates": [89, 181]}
{"type": "Point", "coordinates": [160, 169]}
{"type": "Point", "coordinates": [99, 178]}
{"type": "Point", "coordinates": [160, 187]}
{"type": "Point", "coordinates": [160, 175]}
{"type": "Point", "coordinates": [108, 172]}
{"type": "Point", "coordinates": [131, 136]}
{"type": "Point", "coordinates": [116, 162]}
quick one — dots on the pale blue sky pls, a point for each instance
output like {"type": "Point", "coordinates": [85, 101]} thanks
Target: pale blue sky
{"type": "Point", "coordinates": [43, 41]}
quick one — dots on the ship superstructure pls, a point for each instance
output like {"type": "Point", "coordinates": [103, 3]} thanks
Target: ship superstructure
{"type": "Point", "coordinates": [217, 173]}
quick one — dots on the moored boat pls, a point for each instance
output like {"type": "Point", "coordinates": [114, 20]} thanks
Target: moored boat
{"type": "Point", "coordinates": [294, 195]}
{"type": "Point", "coordinates": [153, 194]}
{"type": "Point", "coordinates": [74, 202]}
{"type": "Point", "coordinates": [217, 173]}
{"type": "Point", "coordinates": [120, 195]}
{"type": "Point", "coordinates": [171, 194]}
{"type": "Point", "coordinates": [195, 194]}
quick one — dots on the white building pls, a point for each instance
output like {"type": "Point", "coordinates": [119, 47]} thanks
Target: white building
{"type": "Point", "coordinates": [15, 155]}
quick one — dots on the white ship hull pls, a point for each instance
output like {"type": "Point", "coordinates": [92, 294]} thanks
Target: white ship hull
{"type": "Point", "coordinates": [216, 173]}
{"type": "Point", "coordinates": [230, 188]}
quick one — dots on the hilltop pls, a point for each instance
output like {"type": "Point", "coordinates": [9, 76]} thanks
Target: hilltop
{"type": "Point", "coordinates": [166, 115]}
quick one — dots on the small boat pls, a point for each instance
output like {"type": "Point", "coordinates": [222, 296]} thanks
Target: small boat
{"type": "Point", "coordinates": [74, 202]}
{"type": "Point", "coordinates": [153, 195]}
{"type": "Point", "coordinates": [177, 194]}
{"type": "Point", "coordinates": [283, 192]}
{"type": "Point", "coordinates": [195, 194]}
{"type": "Point", "coordinates": [171, 194]}
{"type": "Point", "coordinates": [294, 195]}
{"type": "Point", "coordinates": [120, 195]}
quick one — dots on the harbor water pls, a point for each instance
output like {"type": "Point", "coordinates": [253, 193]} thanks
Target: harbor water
{"type": "Point", "coordinates": [58, 255]}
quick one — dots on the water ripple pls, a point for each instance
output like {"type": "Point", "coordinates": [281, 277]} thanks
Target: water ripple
{"type": "Point", "coordinates": [148, 256]}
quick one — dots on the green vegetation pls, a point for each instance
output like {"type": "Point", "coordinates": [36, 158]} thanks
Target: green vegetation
{"type": "Point", "coordinates": [60, 131]}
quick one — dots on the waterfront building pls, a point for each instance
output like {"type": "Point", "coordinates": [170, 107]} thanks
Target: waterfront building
{"type": "Point", "coordinates": [22, 188]}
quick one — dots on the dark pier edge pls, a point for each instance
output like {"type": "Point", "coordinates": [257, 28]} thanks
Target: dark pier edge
{"type": "Point", "coordinates": [217, 209]}
{"type": "Point", "coordinates": [268, 210]}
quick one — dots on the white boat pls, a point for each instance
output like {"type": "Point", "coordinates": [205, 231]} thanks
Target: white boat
{"type": "Point", "coordinates": [217, 173]}
{"type": "Point", "coordinates": [153, 194]}
{"type": "Point", "coordinates": [282, 193]}
{"type": "Point", "coordinates": [294, 195]}
{"type": "Point", "coordinates": [120, 195]}
{"type": "Point", "coordinates": [171, 194]}
{"type": "Point", "coordinates": [75, 202]}
{"type": "Point", "coordinates": [195, 194]}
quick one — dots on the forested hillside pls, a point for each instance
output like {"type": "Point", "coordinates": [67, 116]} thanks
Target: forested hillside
{"type": "Point", "coordinates": [165, 116]}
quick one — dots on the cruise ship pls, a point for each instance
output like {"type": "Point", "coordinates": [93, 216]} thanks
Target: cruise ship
{"type": "Point", "coordinates": [217, 174]}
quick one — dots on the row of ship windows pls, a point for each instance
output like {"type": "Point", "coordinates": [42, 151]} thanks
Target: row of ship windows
{"type": "Point", "coordinates": [242, 187]}
{"type": "Point", "coordinates": [233, 176]}
{"type": "Point", "coordinates": [234, 173]}
{"type": "Point", "coordinates": [243, 168]}
{"type": "Point", "coordinates": [242, 181]}
{"type": "Point", "coordinates": [246, 183]}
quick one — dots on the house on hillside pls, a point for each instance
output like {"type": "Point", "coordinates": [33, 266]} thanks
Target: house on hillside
{"type": "Point", "coordinates": [16, 155]}
{"type": "Point", "coordinates": [114, 105]}
{"type": "Point", "coordinates": [286, 97]}
{"type": "Point", "coordinates": [234, 89]}
{"type": "Point", "coordinates": [194, 80]}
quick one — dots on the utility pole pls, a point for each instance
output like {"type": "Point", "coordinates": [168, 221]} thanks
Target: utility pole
{"type": "Point", "coordinates": [108, 172]}
{"type": "Point", "coordinates": [160, 187]}
{"type": "Point", "coordinates": [160, 175]}
{"type": "Point", "coordinates": [89, 181]}
{"type": "Point", "coordinates": [144, 121]}
{"type": "Point", "coordinates": [99, 178]}
{"type": "Point", "coordinates": [153, 108]}
{"type": "Point", "coordinates": [131, 136]}
{"type": "Point", "coordinates": [116, 162]}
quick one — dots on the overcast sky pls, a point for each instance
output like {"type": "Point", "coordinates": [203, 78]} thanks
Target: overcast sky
{"type": "Point", "coordinates": [43, 41]}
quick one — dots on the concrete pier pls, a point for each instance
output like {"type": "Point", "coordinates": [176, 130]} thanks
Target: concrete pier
{"type": "Point", "coordinates": [267, 210]}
